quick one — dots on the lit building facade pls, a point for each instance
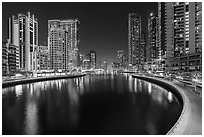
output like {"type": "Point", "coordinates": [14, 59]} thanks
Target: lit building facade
{"type": "Point", "coordinates": [81, 58]}
{"type": "Point", "coordinates": [134, 36]}
{"type": "Point", "coordinates": [23, 37]}
{"type": "Point", "coordinates": [152, 48]}
{"type": "Point", "coordinates": [42, 58]}
{"type": "Point", "coordinates": [143, 48]}
{"type": "Point", "coordinates": [184, 36]}
{"type": "Point", "coordinates": [93, 59]}
{"type": "Point", "coordinates": [120, 57]}
{"type": "Point", "coordinates": [153, 51]}
{"type": "Point", "coordinates": [4, 58]}
{"type": "Point", "coordinates": [99, 65]}
{"type": "Point", "coordinates": [161, 36]}
{"type": "Point", "coordinates": [105, 65]}
{"type": "Point", "coordinates": [115, 65]}
{"type": "Point", "coordinates": [63, 40]}
{"type": "Point", "coordinates": [87, 61]}
{"type": "Point", "coordinates": [13, 63]}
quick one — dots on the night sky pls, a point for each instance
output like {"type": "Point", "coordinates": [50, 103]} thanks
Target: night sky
{"type": "Point", "coordinates": [103, 26]}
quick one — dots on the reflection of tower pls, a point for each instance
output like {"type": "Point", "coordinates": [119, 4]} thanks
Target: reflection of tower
{"type": "Point", "coordinates": [130, 83]}
{"type": "Point", "coordinates": [135, 85]}
{"type": "Point", "coordinates": [31, 118]}
{"type": "Point", "coordinates": [170, 98]}
{"type": "Point", "coordinates": [19, 90]}
{"type": "Point", "coordinates": [149, 88]}
{"type": "Point", "coordinates": [73, 102]}
{"type": "Point", "coordinates": [31, 111]}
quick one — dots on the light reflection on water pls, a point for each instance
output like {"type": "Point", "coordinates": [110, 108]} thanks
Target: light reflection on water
{"type": "Point", "coordinates": [94, 104]}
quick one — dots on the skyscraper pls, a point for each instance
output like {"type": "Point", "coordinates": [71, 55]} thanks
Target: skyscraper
{"type": "Point", "coordinates": [161, 36]}
{"type": "Point", "coordinates": [93, 59]}
{"type": "Point", "coordinates": [184, 36]}
{"type": "Point", "coordinates": [161, 30]}
{"type": "Point", "coordinates": [120, 57]}
{"type": "Point", "coordinates": [152, 49]}
{"type": "Point", "coordinates": [23, 38]}
{"type": "Point", "coordinates": [143, 48]}
{"type": "Point", "coordinates": [134, 36]}
{"type": "Point", "coordinates": [63, 40]}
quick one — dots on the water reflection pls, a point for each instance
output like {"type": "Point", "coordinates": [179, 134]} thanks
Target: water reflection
{"type": "Point", "coordinates": [19, 90]}
{"type": "Point", "coordinates": [170, 96]}
{"type": "Point", "coordinates": [94, 104]}
{"type": "Point", "coordinates": [149, 88]}
{"type": "Point", "coordinates": [130, 83]}
{"type": "Point", "coordinates": [31, 119]}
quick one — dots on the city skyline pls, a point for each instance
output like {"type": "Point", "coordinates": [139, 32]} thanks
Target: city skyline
{"type": "Point", "coordinates": [95, 24]}
{"type": "Point", "coordinates": [102, 68]}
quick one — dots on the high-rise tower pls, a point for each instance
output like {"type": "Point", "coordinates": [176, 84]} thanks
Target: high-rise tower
{"type": "Point", "coordinates": [134, 36]}
{"type": "Point", "coordinates": [23, 38]}
{"type": "Point", "coordinates": [184, 36]}
{"type": "Point", "coordinates": [63, 40]}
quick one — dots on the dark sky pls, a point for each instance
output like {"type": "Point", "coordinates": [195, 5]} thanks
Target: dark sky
{"type": "Point", "coordinates": [103, 25]}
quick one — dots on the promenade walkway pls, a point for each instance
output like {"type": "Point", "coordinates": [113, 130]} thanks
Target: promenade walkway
{"type": "Point", "coordinates": [190, 121]}
{"type": "Point", "coordinates": [194, 119]}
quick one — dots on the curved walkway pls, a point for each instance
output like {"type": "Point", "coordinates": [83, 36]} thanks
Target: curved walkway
{"type": "Point", "coordinates": [194, 120]}
{"type": "Point", "coordinates": [37, 79]}
{"type": "Point", "coordinates": [190, 120]}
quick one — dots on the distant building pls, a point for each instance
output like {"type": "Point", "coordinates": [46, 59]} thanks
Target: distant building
{"type": "Point", "coordinates": [99, 65]}
{"type": "Point", "coordinates": [42, 58]}
{"type": "Point", "coordinates": [5, 70]}
{"type": "Point", "coordinates": [161, 36]}
{"type": "Point", "coordinates": [120, 57]}
{"type": "Point", "coordinates": [87, 61]}
{"type": "Point", "coordinates": [81, 58]}
{"type": "Point", "coordinates": [143, 48]}
{"type": "Point", "coordinates": [13, 62]}
{"type": "Point", "coordinates": [184, 36]}
{"type": "Point", "coordinates": [152, 49]}
{"type": "Point", "coordinates": [93, 59]}
{"type": "Point", "coordinates": [125, 62]}
{"type": "Point", "coordinates": [105, 65]}
{"type": "Point", "coordinates": [115, 65]}
{"type": "Point", "coordinates": [63, 40]}
{"type": "Point", "coordinates": [134, 36]}
{"type": "Point", "coordinates": [23, 37]}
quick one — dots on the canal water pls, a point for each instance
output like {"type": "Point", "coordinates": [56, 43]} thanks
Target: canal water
{"type": "Point", "coordinates": [97, 104]}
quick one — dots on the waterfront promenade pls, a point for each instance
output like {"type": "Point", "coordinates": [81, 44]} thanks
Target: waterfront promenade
{"type": "Point", "coordinates": [190, 121]}
{"type": "Point", "coordinates": [194, 120]}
